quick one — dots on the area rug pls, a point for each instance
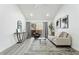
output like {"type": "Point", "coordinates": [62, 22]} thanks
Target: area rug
{"type": "Point", "coordinates": [47, 48]}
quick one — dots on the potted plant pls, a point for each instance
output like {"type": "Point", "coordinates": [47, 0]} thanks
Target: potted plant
{"type": "Point", "coordinates": [51, 27]}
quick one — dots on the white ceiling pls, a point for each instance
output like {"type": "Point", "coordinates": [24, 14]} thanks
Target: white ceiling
{"type": "Point", "coordinates": [39, 11]}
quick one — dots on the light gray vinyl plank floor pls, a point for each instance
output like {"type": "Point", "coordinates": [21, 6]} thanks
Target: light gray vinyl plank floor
{"type": "Point", "coordinates": [18, 49]}
{"type": "Point", "coordinates": [34, 47]}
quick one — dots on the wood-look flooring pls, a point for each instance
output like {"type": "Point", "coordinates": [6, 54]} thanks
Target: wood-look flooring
{"type": "Point", "coordinates": [34, 47]}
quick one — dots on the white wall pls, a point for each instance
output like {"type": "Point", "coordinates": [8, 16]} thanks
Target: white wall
{"type": "Point", "coordinates": [73, 12]}
{"type": "Point", "coordinates": [9, 14]}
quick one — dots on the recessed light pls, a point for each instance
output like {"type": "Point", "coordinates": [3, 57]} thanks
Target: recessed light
{"type": "Point", "coordinates": [31, 14]}
{"type": "Point", "coordinates": [47, 14]}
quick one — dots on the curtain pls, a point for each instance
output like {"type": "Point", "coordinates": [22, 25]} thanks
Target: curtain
{"type": "Point", "coordinates": [45, 29]}
{"type": "Point", "coordinates": [28, 30]}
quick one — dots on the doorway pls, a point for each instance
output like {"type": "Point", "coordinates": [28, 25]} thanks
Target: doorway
{"type": "Point", "coordinates": [37, 27]}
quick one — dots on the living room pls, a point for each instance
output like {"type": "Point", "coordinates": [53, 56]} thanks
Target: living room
{"type": "Point", "coordinates": [58, 26]}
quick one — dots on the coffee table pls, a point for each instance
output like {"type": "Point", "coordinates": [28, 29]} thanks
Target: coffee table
{"type": "Point", "coordinates": [42, 38]}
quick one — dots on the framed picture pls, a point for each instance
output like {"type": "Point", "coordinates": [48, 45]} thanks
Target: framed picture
{"type": "Point", "coordinates": [58, 23]}
{"type": "Point", "coordinates": [65, 22]}
{"type": "Point", "coordinates": [33, 26]}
